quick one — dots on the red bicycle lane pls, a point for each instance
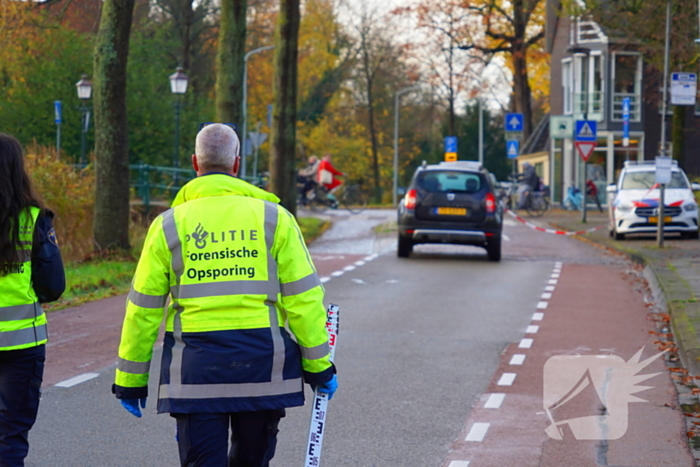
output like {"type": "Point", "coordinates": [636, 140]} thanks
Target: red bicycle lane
{"type": "Point", "coordinates": [83, 340]}
{"type": "Point", "coordinates": [592, 320]}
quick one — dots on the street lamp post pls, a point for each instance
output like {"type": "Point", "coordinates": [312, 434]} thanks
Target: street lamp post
{"type": "Point", "coordinates": [583, 53]}
{"type": "Point", "coordinates": [84, 87]}
{"type": "Point", "coordinates": [245, 104]}
{"type": "Point", "coordinates": [178, 86]}
{"type": "Point", "coordinates": [397, 97]}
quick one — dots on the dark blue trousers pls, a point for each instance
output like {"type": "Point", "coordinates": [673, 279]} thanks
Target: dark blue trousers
{"type": "Point", "coordinates": [21, 373]}
{"type": "Point", "coordinates": [203, 438]}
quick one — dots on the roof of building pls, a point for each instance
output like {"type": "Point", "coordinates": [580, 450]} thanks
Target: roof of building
{"type": "Point", "coordinates": [539, 139]}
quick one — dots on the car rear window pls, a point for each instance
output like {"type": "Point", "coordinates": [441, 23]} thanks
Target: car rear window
{"type": "Point", "coordinates": [436, 181]}
{"type": "Point", "coordinates": [647, 179]}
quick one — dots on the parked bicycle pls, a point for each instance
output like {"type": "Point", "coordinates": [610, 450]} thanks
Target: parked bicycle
{"type": "Point", "coordinates": [318, 199]}
{"type": "Point", "coordinates": [536, 203]}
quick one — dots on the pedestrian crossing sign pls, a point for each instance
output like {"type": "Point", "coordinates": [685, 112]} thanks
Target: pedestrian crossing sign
{"type": "Point", "coordinates": [512, 149]}
{"type": "Point", "coordinates": [586, 130]}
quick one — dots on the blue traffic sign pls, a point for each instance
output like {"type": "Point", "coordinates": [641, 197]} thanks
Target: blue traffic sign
{"type": "Point", "coordinates": [625, 121]}
{"type": "Point", "coordinates": [514, 122]}
{"type": "Point", "coordinates": [450, 144]}
{"type": "Point", "coordinates": [57, 112]}
{"type": "Point", "coordinates": [586, 130]}
{"type": "Point", "coordinates": [512, 149]}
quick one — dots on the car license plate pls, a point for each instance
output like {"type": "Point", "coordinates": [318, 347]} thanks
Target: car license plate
{"type": "Point", "coordinates": [655, 220]}
{"type": "Point", "coordinates": [452, 211]}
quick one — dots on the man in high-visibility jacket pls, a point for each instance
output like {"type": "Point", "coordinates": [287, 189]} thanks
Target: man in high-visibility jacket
{"type": "Point", "coordinates": [236, 269]}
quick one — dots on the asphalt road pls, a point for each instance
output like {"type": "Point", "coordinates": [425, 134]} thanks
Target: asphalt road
{"type": "Point", "coordinates": [420, 341]}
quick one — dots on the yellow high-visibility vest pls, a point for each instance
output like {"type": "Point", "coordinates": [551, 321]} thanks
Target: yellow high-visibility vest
{"type": "Point", "coordinates": [23, 321]}
{"type": "Point", "coordinates": [236, 269]}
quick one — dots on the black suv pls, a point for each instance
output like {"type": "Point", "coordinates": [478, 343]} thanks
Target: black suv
{"type": "Point", "coordinates": [451, 202]}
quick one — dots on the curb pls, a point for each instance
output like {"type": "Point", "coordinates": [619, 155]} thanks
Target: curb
{"type": "Point", "coordinates": [682, 325]}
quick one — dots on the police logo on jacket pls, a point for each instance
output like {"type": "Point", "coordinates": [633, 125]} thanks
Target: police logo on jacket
{"type": "Point", "coordinates": [236, 269]}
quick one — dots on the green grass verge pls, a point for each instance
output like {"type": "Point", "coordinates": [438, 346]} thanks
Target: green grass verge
{"type": "Point", "coordinates": [92, 280]}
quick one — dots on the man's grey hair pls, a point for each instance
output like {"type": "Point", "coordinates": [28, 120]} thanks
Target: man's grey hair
{"type": "Point", "coordinates": [216, 146]}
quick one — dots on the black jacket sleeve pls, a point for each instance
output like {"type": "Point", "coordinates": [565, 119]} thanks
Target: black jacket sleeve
{"type": "Point", "coordinates": [48, 276]}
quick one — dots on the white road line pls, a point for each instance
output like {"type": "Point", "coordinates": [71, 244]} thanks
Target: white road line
{"type": "Point", "coordinates": [459, 464]}
{"type": "Point", "coordinates": [478, 432]}
{"type": "Point", "coordinates": [556, 271]}
{"type": "Point", "coordinates": [505, 237]}
{"type": "Point", "coordinates": [371, 257]}
{"type": "Point", "coordinates": [337, 273]}
{"type": "Point", "coordinates": [549, 288]}
{"type": "Point", "coordinates": [495, 401]}
{"type": "Point", "coordinates": [509, 222]}
{"type": "Point", "coordinates": [542, 305]}
{"type": "Point", "coordinates": [359, 263]}
{"type": "Point", "coordinates": [537, 316]}
{"type": "Point", "coordinates": [558, 264]}
{"type": "Point", "coordinates": [507, 379]}
{"type": "Point", "coordinates": [554, 276]}
{"type": "Point", "coordinates": [517, 359]}
{"type": "Point", "coordinates": [532, 329]}
{"type": "Point", "coordinates": [324, 279]}
{"type": "Point", "coordinates": [525, 343]}
{"type": "Point", "coordinates": [546, 296]}
{"type": "Point", "coordinates": [552, 282]}
{"type": "Point", "coordinates": [349, 268]}
{"type": "Point", "coordinates": [77, 380]}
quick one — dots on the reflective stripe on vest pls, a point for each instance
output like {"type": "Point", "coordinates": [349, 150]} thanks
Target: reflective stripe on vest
{"type": "Point", "coordinates": [135, 368]}
{"type": "Point", "coordinates": [146, 301]}
{"type": "Point", "coordinates": [23, 336]}
{"type": "Point", "coordinates": [270, 287]}
{"type": "Point", "coordinates": [19, 312]}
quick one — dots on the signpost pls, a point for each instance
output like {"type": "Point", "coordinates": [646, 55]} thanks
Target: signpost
{"type": "Point", "coordinates": [683, 88]}
{"type": "Point", "coordinates": [450, 148]}
{"type": "Point", "coordinates": [586, 138]}
{"type": "Point", "coordinates": [663, 176]}
{"type": "Point", "coordinates": [561, 126]}
{"type": "Point", "coordinates": [513, 124]}
{"type": "Point", "coordinates": [58, 118]}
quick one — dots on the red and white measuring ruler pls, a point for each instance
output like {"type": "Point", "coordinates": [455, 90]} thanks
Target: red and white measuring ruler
{"type": "Point", "coordinates": [320, 406]}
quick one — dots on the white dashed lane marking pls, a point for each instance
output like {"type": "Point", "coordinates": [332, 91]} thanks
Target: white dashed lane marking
{"type": "Point", "coordinates": [459, 464]}
{"type": "Point", "coordinates": [541, 305]}
{"type": "Point", "coordinates": [517, 359]}
{"type": "Point", "coordinates": [532, 329]}
{"type": "Point", "coordinates": [549, 288]}
{"type": "Point", "coordinates": [525, 343]}
{"type": "Point", "coordinates": [77, 380]}
{"type": "Point", "coordinates": [546, 296]}
{"type": "Point", "coordinates": [507, 379]}
{"type": "Point", "coordinates": [494, 401]}
{"type": "Point", "coordinates": [478, 432]}
{"type": "Point", "coordinates": [537, 316]}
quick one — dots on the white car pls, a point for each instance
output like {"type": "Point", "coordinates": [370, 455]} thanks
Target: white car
{"type": "Point", "coordinates": [634, 202]}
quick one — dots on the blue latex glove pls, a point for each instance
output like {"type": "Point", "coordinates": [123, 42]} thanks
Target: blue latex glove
{"type": "Point", "coordinates": [330, 387]}
{"type": "Point", "coordinates": [132, 406]}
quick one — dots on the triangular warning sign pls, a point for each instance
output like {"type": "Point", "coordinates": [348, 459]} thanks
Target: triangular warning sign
{"type": "Point", "coordinates": [585, 149]}
{"type": "Point", "coordinates": [512, 150]}
{"type": "Point", "coordinates": [586, 131]}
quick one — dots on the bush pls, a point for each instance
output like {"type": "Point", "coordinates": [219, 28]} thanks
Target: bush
{"type": "Point", "coordinates": [69, 193]}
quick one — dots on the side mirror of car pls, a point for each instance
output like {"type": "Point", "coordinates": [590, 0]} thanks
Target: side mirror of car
{"type": "Point", "coordinates": [695, 186]}
{"type": "Point", "coordinates": [612, 188]}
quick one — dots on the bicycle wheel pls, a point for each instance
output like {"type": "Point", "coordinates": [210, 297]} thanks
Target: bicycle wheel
{"type": "Point", "coordinates": [317, 201]}
{"type": "Point", "coordinates": [536, 206]}
{"type": "Point", "coordinates": [353, 200]}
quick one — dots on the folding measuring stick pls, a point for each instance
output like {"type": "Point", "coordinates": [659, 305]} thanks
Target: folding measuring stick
{"type": "Point", "coordinates": [320, 406]}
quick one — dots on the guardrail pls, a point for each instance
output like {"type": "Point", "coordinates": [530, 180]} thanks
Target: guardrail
{"type": "Point", "coordinates": [157, 182]}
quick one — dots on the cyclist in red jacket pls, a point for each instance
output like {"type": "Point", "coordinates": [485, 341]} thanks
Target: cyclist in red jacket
{"type": "Point", "coordinates": [326, 173]}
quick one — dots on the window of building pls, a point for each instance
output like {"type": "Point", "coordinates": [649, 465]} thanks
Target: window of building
{"type": "Point", "coordinates": [566, 85]}
{"type": "Point", "coordinates": [627, 82]}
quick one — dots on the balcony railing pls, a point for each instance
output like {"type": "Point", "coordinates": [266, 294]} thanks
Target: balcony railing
{"type": "Point", "coordinates": [594, 109]}
{"type": "Point", "coordinates": [635, 106]}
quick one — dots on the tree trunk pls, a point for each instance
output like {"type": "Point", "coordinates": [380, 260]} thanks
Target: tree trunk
{"type": "Point", "coordinates": [284, 113]}
{"type": "Point", "coordinates": [373, 141]}
{"type": "Point", "coordinates": [521, 90]}
{"type": "Point", "coordinates": [229, 62]}
{"type": "Point", "coordinates": [678, 133]}
{"type": "Point", "coordinates": [111, 225]}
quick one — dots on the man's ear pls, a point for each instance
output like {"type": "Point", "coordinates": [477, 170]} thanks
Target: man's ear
{"type": "Point", "coordinates": [195, 166]}
{"type": "Point", "coordinates": [236, 166]}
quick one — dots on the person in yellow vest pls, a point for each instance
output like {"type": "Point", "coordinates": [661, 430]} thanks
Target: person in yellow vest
{"type": "Point", "coordinates": [31, 272]}
{"type": "Point", "coordinates": [234, 264]}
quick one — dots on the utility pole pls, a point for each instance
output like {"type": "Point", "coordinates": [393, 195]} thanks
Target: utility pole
{"type": "Point", "coordinates": [662, 188]}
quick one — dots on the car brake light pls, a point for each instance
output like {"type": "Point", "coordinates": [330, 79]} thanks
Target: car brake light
{"type": "Point", "coordinates": [490, 203]}
{"type": "Point", "coordinates": [410, 199]}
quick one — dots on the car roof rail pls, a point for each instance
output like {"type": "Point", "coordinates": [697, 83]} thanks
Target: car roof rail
{"type": "Point", "coordinates": [647, 162]}
{"type": "Point", "coordinates": [471, 164]}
